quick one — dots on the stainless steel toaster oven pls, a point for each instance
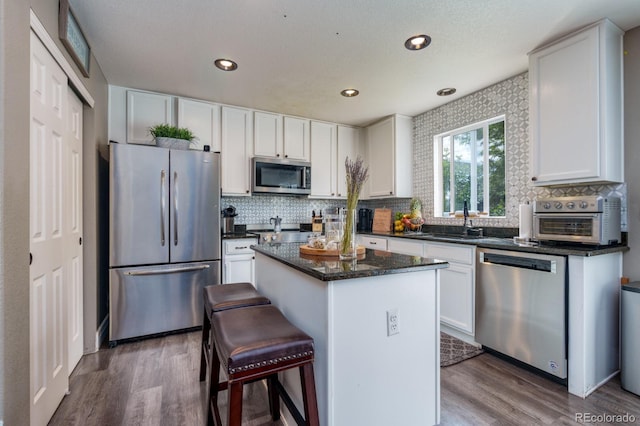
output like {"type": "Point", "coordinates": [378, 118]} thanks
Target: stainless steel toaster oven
{"type": "Point", "coordinates": [582, 219]}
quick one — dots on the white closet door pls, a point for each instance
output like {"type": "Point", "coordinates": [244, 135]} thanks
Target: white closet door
{"type": "Point", "coordinates": [48, 271]}
{"type": "Point", "coordinates": [72, 167]}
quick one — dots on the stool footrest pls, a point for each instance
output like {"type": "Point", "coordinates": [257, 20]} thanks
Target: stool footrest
{"type": "Point", "coordinates": [295, 413]}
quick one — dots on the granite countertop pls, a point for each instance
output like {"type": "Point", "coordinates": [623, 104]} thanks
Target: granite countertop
{"type": "Point", "coordinates": [562, 249]}
{"type": "Point", "coordinates": [324, 268]}
{"type": "Point", "coordinates": [238, 235]}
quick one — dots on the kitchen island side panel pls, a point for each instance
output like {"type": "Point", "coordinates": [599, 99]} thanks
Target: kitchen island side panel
{"type": "Point", "coordinates": [357, 366]}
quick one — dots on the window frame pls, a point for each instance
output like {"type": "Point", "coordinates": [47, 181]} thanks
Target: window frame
{"type": "Point", "coordinates": [438, 180]}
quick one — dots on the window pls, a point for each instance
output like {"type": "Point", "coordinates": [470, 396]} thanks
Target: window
{"type": "Point", "coordinates": [470, 167]}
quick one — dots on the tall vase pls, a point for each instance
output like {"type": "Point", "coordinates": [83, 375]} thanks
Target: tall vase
{"type": "Point", "coordinates": [347, 246]}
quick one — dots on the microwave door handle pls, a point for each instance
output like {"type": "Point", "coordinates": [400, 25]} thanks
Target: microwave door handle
{"type": "Point", "coordinates": [304, 177]}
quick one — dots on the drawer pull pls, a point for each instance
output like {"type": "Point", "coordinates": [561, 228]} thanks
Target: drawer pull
{"type": "Point", "coordinates": [241, 248]}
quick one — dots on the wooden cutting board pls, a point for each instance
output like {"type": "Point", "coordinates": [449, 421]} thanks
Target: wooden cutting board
{"type": "Point", "coordinates": [382, 220]}
{"type": "Point", "coordinates": [305, 249]}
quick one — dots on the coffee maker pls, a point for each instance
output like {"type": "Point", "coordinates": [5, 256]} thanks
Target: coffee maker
{"type": "Point", "coordinates": [365, 220]}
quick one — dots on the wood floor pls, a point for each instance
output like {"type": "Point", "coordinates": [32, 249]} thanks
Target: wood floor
{"type": "Point", "coordinates": [155, 382]}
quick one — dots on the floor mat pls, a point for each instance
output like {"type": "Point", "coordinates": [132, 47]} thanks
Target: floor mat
{"type": "Point", "coordinates": [453, 350]}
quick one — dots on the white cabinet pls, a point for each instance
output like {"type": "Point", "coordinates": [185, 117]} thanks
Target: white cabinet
{"type": "Point", "coordinates": [348, 146]}
{"type": "Point", "coordinates": [145, 109]}
{"type": "Point", "coordinates": [389, 157]}
{"type": "Point", "coordinates": [281, 137]}
{"type": "Point", "coordinates": [405, 246]}
{"type": "Point", "coordinates": [238, 261]}
{"type": "Point", "coordinates": [267, 139]}
{"type": "Point", "coordinates": [237, 136]}
{"type": "Point", "coordinates": [374, 243]}
{"type": "Point", "coordinates": [576, 108]}
{"type": "Point", "coordinates": [457, 284]}
{"type": "Point", "coordinates": [203, 119]}
{"type": "Point", "coordinates": [296, 138]}
{"type": "Point", "coordinates": [324, 147]}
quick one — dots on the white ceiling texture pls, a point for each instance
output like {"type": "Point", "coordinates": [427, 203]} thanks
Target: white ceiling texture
{"type": "Point", "coordinates": [295, 56]}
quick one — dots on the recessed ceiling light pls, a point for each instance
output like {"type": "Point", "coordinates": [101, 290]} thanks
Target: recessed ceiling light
{"type": "Point", "coordinates": [446, 91]}
{"type": "Point", "coordinates": [349, 93]}
{"type": "Point", "coordinates": [417, 42]}
{"type": "Point", "coordinates": [226, 64]}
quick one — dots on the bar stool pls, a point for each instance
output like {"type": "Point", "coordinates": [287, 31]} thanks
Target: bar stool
{"type": "Point", "coordinates": [257, 342]}
{"type": "Point", "coordinates": [220, 297]}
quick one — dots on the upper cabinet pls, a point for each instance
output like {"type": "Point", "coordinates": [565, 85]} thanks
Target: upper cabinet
{"type": "Point", "coordinates": [348, 146]}
{"type": "Point", "coordinates": [267, 136]}
{"type": "Point", "coordinates": [144, 110]}
{"type": "Point", "coordinates": [296, 138]}
{"type": "Point", "coordinates": [203, 119]}
{"type": "Point", "coordinates": [237, 138]}
{"type": "Point", "coordinates": [576, 108]}
{"type": "Point", "coordinates": [324, 145]}
{"type": "Point", "coordinates": [389, 157]}
{"type": "Point", "coordinates": [281, 137]}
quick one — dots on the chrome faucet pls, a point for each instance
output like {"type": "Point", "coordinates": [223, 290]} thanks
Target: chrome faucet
{"type": "Point", "coordinates": [465, 213]}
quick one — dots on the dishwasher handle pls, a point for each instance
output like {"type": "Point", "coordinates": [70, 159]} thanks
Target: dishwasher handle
{"type": "Point", "coordinates": [542, 265]}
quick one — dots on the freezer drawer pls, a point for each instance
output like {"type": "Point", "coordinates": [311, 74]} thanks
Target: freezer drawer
{"type": "Point", "coordinates": [157, 299]}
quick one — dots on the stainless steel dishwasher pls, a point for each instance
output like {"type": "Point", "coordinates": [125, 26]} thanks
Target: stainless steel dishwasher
{"type": "Point", "coordinates": [521, 308]}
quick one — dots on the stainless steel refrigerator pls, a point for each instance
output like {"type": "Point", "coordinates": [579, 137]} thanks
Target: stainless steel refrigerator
{"type": "Point", "coordinates": [164, 212]}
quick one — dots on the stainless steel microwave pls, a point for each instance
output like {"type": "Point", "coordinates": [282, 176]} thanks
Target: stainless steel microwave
{"type": "Point", "coordinates": [280, 176]}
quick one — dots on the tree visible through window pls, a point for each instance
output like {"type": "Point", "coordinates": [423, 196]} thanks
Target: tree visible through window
{"type": "Point", "coordinates": [470, 166]}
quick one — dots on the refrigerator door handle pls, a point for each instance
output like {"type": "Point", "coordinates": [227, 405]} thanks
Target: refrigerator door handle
{"type": "Point", "coordinates": [167, 271]}
{"type": "Point", "coordinates": [163, 177]}
{"type": "Point", "coordinates": [175, 208]}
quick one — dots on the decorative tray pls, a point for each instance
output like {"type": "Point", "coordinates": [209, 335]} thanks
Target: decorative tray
{"type": "Point", "coordinates": [306, 249]}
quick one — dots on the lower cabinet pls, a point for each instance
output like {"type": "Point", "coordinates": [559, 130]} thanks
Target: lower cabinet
{"type": "Point", "coordinates": [238, 261]}
{"type": "Point", "coordinates": [373, 243]}
{"type": "Point", "coordinates": [405, 246]}
{"type": "Point", "coordinates": [457, 284]}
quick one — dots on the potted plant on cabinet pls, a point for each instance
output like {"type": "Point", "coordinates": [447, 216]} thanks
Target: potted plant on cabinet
{"type": "Point", "coordinates": [173, 137]}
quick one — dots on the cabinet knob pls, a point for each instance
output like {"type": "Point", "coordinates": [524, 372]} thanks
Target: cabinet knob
{"type": "Point", "coordinates": [333, 193]}
{"type": "Point", "coordinates": [277, 155]}
{"type": "Point", "coordinates": [533, 179]}
{"type": "Point", "coordinates": [247, 191]}
{"type": "Point", "coordinates": [286, 156]}
{"type": "Point", "coordinates": [390, 192]}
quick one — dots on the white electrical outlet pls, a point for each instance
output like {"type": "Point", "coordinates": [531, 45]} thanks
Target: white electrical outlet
{"type": "Point", "coordinates": [393, 321]}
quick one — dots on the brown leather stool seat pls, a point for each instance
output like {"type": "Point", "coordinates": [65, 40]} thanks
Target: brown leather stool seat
{"type": "Point", "coordinates": [257, 342]}
{"type": "Point", "coordinates": [220, 297]}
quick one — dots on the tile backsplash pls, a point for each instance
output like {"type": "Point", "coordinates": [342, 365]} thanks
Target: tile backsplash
{"type": "Point", "coordinates": [509, 97]}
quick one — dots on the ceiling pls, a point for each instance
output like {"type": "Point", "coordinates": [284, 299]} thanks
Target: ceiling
{"type": "Point", "coordinates": [295, 56]}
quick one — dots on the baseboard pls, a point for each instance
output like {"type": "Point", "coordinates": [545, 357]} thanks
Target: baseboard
{"type": "Point", "coordinates": [593, 389]}
{"type": "Point", "coordinates": [459, 335]}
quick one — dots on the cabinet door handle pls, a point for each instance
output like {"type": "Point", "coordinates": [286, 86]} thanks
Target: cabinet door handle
{"type": "Point", "coordinates": [533, 179]}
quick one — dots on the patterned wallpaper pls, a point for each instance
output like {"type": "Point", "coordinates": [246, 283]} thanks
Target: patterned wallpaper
{"type": "Point", "coordinates": [509, 97]}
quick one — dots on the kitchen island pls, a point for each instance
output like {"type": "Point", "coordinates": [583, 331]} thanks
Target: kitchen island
{"type": "Point", "coordinates": [368, 370]}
